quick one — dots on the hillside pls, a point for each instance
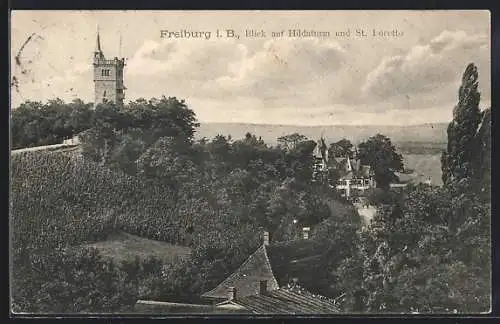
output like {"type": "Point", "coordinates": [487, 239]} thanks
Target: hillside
{"type": "Point", "coordinates": [270, 133]}
{"type": "Point", "coordinates": [65, 199]}
{"type": "Point", "coordinates": [122, 246]}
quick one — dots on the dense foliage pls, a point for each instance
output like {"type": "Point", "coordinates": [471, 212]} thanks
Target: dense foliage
{"type": "Point", "coordinates": [79, 281]}
{"type": "Point", "coordinates": [59, 200]}
{"type": "Point", "coordinates": [380, 154]}
{"type": "Point", "coordinates": [425, 253]}
{"type": "Point", "coordinates": [216, 196]}
{"type": "Point", "coordinates": [457, 160]}
{"type": "Point", "coordinates": [341, 148]}
{"type": "Point", "coordinates": [68, 200]}
{"type": "Point", "coordinates": [428, 249]}
{"type": "Point", "coordinates": [140, 171]}
{"type": "Point", "coordinates": [119, 135]}
{"type": "Point", "coordinates": [66, 282]}
{"type": "Point", "coordinates": [482, 160]}
{"type": "Point", "coordinates": [36, 124]}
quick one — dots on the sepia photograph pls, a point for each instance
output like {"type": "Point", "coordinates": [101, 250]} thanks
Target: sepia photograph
{"type": "Point", "coordinates": [167, 163]}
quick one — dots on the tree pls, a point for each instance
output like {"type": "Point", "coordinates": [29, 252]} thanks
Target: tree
{"type": "Point", "coordinates": [422, 254]}
{"type": "Point", "coordinates": [25, 124]}
{"type": "Point", "coordinates": [172, 117]}
{"type": "Point", "coordinates": [462, 148]}
{"type": "Point", "coordinates": [127, 151]}
{"type": "Point", "coordinates": [246, 150]}
{"type": "Point", "coordinates": [210, 262]}
{"type": "Point", "coordinates": [482, 160]}
{"type": "Point", "coordinates": [80, 116]}
{"type": "Point", "coordinates": [338, 232]}
{"type": "Point", "coordinates": [120, 134]}
{"type": "Point", "coordinates": [341, 148]}
{"type": "Point", "coordinates": [290, 142]}
{"type": "Point", "coordinates": [69, 281]}
{"type": "Point", "coordinates": [378, 197]}
{"type": "Point", "coordinates": [99, 142]}
{"type": "Point", "coordinates": [220, 148]}
{"type": "Point", "coordinates": [380, 154]}
{"type": "Point", "coordinates": [35, 123]}
{"type": "Point", "coordinates": [301, 161]}
{"type": "Point", "coordinates": [168, 161]}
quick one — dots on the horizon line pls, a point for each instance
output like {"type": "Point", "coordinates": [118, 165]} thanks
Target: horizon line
{"type": "Point", "coordinates": [330, 125]}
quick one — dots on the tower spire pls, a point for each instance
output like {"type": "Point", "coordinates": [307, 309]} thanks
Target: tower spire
{"type": "Point", "coordinates": [120, 46]}
{"type": "Point", "coordinates": [98, 42]}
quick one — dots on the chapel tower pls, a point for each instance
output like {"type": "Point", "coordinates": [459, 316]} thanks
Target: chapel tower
{"type": "Point", "coordinates": [108, 77]}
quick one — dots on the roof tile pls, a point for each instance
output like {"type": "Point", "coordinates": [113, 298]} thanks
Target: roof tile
{"type": "Point", "coordinates": [246, 279]}
{"type": "Point", "coordinates": [289, 301]}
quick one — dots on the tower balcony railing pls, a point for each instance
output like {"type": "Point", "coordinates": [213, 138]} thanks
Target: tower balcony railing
{"type": "Point", "coordinates": [111, 62]}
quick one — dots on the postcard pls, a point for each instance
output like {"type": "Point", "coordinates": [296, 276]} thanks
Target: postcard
{"type": "Point", "coordinates": [170, 163]}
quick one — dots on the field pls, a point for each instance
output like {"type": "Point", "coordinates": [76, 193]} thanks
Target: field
{"type": "Point", "coordinates": [123, 246]}
{"type": "Point", "coordinates": [420, 147]}
{"type": "Point", "coordinates": [424, 166]}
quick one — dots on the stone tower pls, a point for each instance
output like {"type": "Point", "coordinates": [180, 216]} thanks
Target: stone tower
{"type": "Point", "coordinates": [108, 77]}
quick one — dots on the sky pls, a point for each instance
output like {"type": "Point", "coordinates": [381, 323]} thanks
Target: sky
{"type": "Point", "coordinates": [336, 79]}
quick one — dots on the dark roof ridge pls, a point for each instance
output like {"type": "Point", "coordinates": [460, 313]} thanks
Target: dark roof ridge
{"type": "Point", "coordinates": [235, 273]}
{"type": "Point", "coordinates": [268, 261]}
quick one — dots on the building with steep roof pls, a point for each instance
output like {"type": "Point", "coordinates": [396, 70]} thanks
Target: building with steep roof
{"type": "Point", "coordinates": [286, 300]}
{"type": "Point", "coordinates": [320, 163]}
{"type": "Point", "coordinates": [268, 281]}
{"type": "Point", "coordinates": [355, 178]}
{"type": "Point", "coordinates": [246, 280]}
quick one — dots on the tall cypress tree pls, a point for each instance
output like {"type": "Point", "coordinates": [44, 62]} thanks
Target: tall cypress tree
{"type": "Point", "coordinates": [482, 165]}
{"type": "Point", "coordinates": [456, 161]}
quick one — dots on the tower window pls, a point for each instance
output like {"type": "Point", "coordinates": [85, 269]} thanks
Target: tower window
{"type": "Point", "coordinates": [105, 73]}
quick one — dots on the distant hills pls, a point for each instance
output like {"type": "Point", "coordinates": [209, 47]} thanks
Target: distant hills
{"type": "Point", "coordinates": [435, 133]}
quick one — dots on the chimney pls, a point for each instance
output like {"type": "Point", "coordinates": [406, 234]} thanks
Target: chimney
{"type": "Point", "coordinates": [266, 238]}
{"type": "Point", "coordinates": [305, 232]}
{"type": "Point", "coordinates": [263, 287]}
{"type": "Point", "coordinates": [231, 293]}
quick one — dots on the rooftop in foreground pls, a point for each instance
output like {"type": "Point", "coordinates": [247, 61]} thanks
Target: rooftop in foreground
{"type": "Point", "coordinates": [164, 308]}
{"type": "Point", "coordinates": [291, 300]}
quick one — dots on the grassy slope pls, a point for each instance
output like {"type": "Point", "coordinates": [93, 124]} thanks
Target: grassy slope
{"type": "Point", "coordinates": [122, 246]}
